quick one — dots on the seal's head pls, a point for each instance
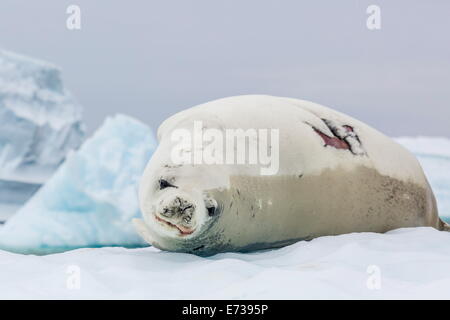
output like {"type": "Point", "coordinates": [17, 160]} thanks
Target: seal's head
{"type": "Point", "coordinates": [176, 211]}
{"type": "Point", "coordinates": [176, 207]}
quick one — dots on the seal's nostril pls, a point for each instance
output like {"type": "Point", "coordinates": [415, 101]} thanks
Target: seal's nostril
{"type": "Point", "coordinates": [167, 213]}
{"type": "Point", "coordinates": [189, 209]}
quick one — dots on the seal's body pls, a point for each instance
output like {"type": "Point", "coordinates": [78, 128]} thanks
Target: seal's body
{"type": "Point", "coordinates": [333, 175]}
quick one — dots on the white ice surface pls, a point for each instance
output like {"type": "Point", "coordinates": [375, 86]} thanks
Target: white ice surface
{"type": "Point", "coordinates": [411, 263]}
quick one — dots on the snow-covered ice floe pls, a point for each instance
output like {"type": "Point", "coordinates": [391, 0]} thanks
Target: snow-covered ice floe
{"type": "Point", "coordinates": [40, 124]}
{"type": "Point", "coordinates": [404, 263]}
{"type": "Point", "coordinates": [92, 197]}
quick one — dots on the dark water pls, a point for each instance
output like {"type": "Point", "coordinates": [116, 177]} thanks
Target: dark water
{"type": "Point", "coordinates": [13, 195]}
{"type": "Point", "coordinates": [13, 192]}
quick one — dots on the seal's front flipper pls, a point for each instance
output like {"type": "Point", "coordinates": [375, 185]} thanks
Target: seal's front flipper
{"type": "Point", "coordinates": [143, 231]}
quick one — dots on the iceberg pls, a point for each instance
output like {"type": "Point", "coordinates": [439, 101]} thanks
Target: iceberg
{"type": "Point", "coordinates": [91, 198]}
{"type": "Point", "coordinates": [40, 124]}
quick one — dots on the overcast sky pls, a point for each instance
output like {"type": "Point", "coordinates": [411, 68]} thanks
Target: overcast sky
{"type": "Point", "coordinates": [150, 59]}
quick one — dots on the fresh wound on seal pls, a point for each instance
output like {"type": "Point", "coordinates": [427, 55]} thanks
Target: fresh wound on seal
{"type": "Point", "coordinates": [344, 137]}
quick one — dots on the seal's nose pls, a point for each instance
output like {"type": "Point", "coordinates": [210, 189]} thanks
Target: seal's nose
{"type": "Point", "coordinates": [178, 208]}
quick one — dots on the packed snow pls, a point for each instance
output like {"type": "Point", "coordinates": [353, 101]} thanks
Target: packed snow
{"type": "Point", "coordinates": [92, 197]}
{"type": "Point", "coordinates": [40, 124]}
{"type": "Point", "coordinates": [404, 263]}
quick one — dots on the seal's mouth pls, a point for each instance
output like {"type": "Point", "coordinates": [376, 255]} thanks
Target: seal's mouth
{"type": "Point", "coordinates": [183, 231]}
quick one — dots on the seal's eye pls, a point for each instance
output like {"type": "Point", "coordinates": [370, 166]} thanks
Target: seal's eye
{"type": "Point", "coordinates": [211, 211]}
{"type": "Point", "coordinates": [165, 184]}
